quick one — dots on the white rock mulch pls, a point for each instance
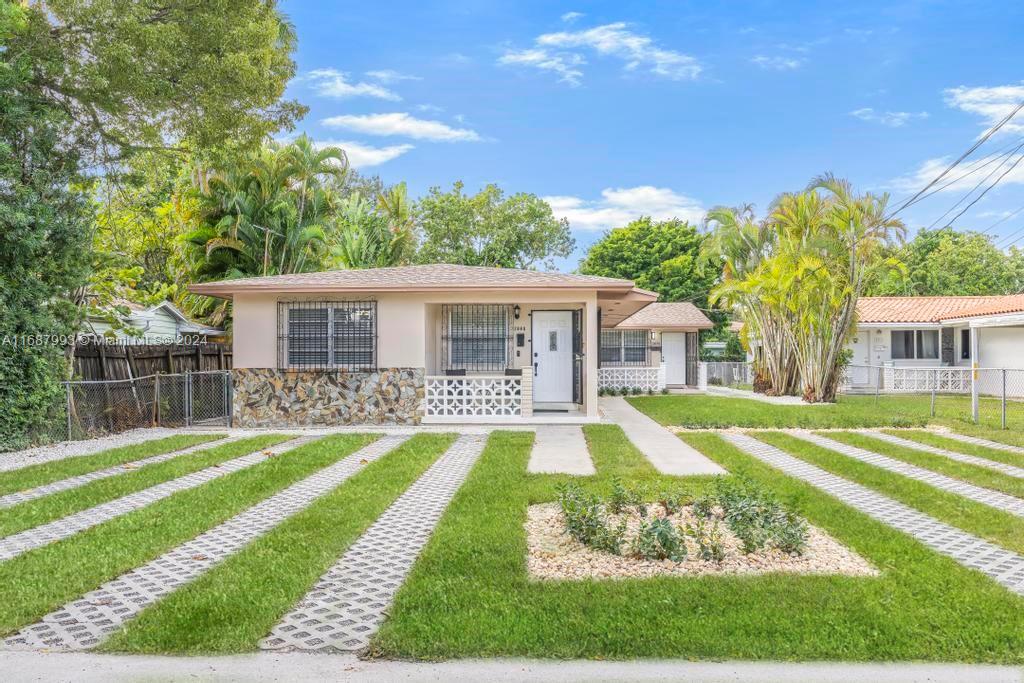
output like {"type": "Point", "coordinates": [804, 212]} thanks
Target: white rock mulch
{"type": "Point", "coordinates": [553, 555]}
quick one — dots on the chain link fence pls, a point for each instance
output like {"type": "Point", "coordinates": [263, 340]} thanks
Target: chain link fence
{"type": "Point", "coordinates": [736, 375]}
{"type": "Point", "coordinates": [95, 408]}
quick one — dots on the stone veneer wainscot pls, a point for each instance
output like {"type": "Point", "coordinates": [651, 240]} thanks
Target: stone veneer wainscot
{"type": "Point", "coordinates": [269, 397]}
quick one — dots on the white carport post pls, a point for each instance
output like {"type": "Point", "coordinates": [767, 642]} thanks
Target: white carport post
{"type": "Point", "coordinates": [974, 373]}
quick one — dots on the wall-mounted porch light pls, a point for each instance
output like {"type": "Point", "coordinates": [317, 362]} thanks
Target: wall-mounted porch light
{"type": "Point", "coordinates": [515, 311]}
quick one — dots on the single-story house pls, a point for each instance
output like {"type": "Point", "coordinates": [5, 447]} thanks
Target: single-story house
{"type": "Point", "coordinates": [933, 332]}
{"type": "Point", "coordinates": [163, 323]}
{"type": "Point", "coordinates": [446, 343]}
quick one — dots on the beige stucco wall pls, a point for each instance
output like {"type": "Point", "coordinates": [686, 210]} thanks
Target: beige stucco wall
{"type": "Point", "coordinates": [409, 327]}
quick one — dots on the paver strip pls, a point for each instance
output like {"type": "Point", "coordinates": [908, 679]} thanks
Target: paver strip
{"type": "Point", "coordinates": [994, 499]}
{"type": "Point", "coordinates": [59, 529]}
{"type": "Point", "coordinates": [1009, 470]}
{"type": "Point", "coordinates": [350, 601]}
{"type": "Point", "coordinates": [1001, 565]}
{"type": "Point", "coordinates": [667, 452]}
{"type": "Point", "coordinates": [86, 622]}
{"type": "Point", "coordinates": [982, 442]}
{"type": "Point", "coordinates": [75, 449]}
{"type": "Point", "coordinates": [83, 479]}
{"type": "Point", "coordinates": [560, 449]}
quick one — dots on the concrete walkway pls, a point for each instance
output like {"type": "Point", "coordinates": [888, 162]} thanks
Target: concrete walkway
{"type": "Point", "coordinates": [299, 667]}
{"type": "Point", "coordinates": [560, 449]}
{"type": "Point", "coordinates": [667, 452]}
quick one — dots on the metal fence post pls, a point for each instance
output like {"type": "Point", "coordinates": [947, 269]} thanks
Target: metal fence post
{"type": "Point", "coordinates": [68, 401]}
{"type": "Point", "coordinates": [1003, 371]}
{"type": "Point", "coordinates": [188, 398]}
{"type": "Point", "coordinates": [156, 397]}
{"type": "Point", "coordinates": [935, 381]}
{"type": "Point", "coordinates": [878, 384]}
{"type": "Point", "coordinates": [227, 398]}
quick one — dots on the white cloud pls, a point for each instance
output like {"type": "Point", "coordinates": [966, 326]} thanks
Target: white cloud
{"type": "Point", "coordinates": [334, 83]}
{"type": "Point", "coordinates": [618, 206]}
{"type": "Point", "coordinates": [364, 156]}
{"type": "Point", "coordinates": [956, 179]}
{"type": "Point", "coordinates": [391, 76]}
{"type": "Point", "coordinates": [893, 119]}
{"type": "Point", "coordinates": [570, 17]}
{"type": "Point", "coordinates": [429, 108]}
{"type": "Point", "coordinates": [403, 124]}
{"type": "Point", "coordinates": [991, 104]}
{"type": "Point", "coordinates": [562, 63]}
{"type": "Point", "coordinates": [560, 53]}
{"type": "Point", "coordinates": [777, 63]}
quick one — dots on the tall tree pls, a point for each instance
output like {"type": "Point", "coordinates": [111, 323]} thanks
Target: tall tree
{"type": "Point", "coordinates": [44, 224]}
{"type": "Point", "coordinates": [662, 256]}
{"type": "Point", "coordinates": [365, 235]}
{"type": "Point", "coordinates": [489, 229]}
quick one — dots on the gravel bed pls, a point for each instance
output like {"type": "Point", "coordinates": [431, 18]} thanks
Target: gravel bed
{"type": "Point", "coordinates": [69, 449]}
{"type": "Point", "coordinates": [553, 555]}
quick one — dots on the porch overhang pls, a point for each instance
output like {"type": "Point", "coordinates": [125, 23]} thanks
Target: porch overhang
{"type": "Point", "coordinates": [619, 304]}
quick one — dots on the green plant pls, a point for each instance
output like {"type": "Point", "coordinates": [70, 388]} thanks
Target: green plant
{"type": "Point", "coordinates": [672, 501]}
{"type": "Point", "coordinates": [658, 539]}
{"type": "Point", "coordinates": [790, 533]}
{"type": "Point", "coordinates": [664, 391]}
{"type": "Point", "coordinates": [703, 506]}
{"type": "Point", "coordinates": [650, 392]}
{"type": "Point", "coordinates": [586, 521]}
{"type": "Point", "coordinates": [708, 539]}
{"type": "Point", "coordinates": [619, 500]}
{"type": "Point", "coordinates": [635, 391]}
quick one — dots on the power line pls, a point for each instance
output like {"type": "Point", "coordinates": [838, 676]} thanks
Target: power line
{"type": "Point", "coordinates": [974, 189]}
{"type": "Point", "coordinates": [1009, 240]}
{"type": "Point", "coordinates": [984, 138]}
{"type": "Point", "coordinates": [1002, 220]}
{"type": "Point", "coordinates": [975, 166]}
{"type": "Point", "coordinates": [985, 191]}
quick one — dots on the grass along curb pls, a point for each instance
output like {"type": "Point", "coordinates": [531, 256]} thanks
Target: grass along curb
{"type": "Point", "coordinates": [940, 441]}
{"type": "Point", "coordinates": [469, 595]}
{"type": "Point", "coordinates": [235, 604]}
{"type": "Point", "coordinates": [981, 520]}
{"type": "Point", "coordinates": [35, 583]}
{"type": "Point", "coordinates": [31, 476]}
{"type": "Point", "coordinates": [55, 506]}
{"type": "Point", "coordinates": [973, 474]}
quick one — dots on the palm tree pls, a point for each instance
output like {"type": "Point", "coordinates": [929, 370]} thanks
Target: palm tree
{"type": "Point", "coordinates": [367, 237]}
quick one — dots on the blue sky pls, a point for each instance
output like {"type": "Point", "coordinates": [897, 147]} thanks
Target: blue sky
{"type": "Point", "coordinates": [617, 109]}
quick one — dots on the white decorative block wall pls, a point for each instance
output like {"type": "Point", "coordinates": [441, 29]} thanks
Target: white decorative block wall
{"type": "Point", "coordinates": [650, 378]}
{"type": "Point", "coordinates": [474, 396]}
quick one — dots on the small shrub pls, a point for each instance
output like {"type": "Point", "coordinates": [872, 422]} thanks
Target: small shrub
{"type": "Point", "coordinates": [584, 518]}
{"type": "Point", "coordinates": [636, 391]}
{"type": "Point", "coordinates": [790, 533]}
{"type": "Point", "coordinates": [601, 391]}
{"type": "Point", "coordinates": [610, 539]}
{"type": "Point", "coordinates": [703, 506]}
{"type": "Point", "coordinates": [657, 539]}
{"type": "Point", "coordinates": [672, 501]}
{"type": "Point", "coordinates": [650, 392]}
{"type": "Point", "coordinates": [664, 391]}
{"type": "Point", "coordinates": [619, 500]}
{"type": "Point", "coordinates": [708, 540]}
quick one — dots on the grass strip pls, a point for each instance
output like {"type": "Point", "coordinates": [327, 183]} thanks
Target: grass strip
{"type": "Point", "coordinates": [933, 439]}
{"type": "Point", "coordinates": [964, 471]}
{"type": "Point", "coordinates": [33, 584]}
{"type": "Point", "coordinates": [55, 506]}
{"type": "Point", "coordinates": [981, 520]}
{"type": "Point", "coordinates": [47, 472]}
{"type": "Point", "coordinates": [234, 605]}
{"type": "Point", "coordinates": [469, 594]}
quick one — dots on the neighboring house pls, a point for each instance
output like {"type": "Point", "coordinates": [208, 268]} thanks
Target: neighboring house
{"type": "Point", "coordinates": [159, 324]}
{"type": "Point", "coordinates": [937, 331]}
{"type": "Point", "coordinates": [442, 343]}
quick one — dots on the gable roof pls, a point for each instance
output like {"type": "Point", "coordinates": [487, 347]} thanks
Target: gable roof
{"type": "Point", "coordinates": [440, 276]}
{"type": "Point", "coordinates": [669, 315]}
{"type": "Point", "coordinates": [933, 309]}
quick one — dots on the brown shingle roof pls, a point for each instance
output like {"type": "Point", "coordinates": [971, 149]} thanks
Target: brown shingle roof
{"type": "Point", "coordinates": [412, 278]}
{"type": "Point", "coordinates": [667, 316]}
{"type": "Point", "coordinates": [933, 309]}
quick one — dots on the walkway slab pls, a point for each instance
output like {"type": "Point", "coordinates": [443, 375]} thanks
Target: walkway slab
{"type": "Point", "coordinates": [1001, 565]}
{"type": "Point", "coordinates": [1009, 470]}
{"type": "Point", "coordinates": [57, 530]}
{"type": "Point", "coordinates": [560, 449]}
{"type": "Point", "coordinates": [995, 499]}
{"type": "Point", "coordinates": [88, 621]}
{"type": "Point", "coordinates": [667, 452]}
{"type": "Point", "coordinates": [83, 479]}
{"type": "Point", "coordinates": [348, 604]}
{"type": "Point", "coordinates": [982, 442]}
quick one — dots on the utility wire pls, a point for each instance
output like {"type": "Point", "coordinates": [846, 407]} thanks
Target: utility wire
{"type": "Point", "coordinates": [985, 191]}
{"type": "Point", "coordinates": [1002, 220]}
{"type": "Point", "coordinates": [975, 166]}
{"type": "Point", "coordinates": [984, 138]}
{"type": "Point", "coordinates": [975, 188]}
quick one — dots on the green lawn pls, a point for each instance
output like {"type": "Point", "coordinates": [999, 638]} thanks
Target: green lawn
{"type": "Point", "coordinates": [933, 439]}
{"type": "Point", "coordinates": [469, 594]}
{"type": "Point", "coordinates": [849, 412]}
{"type": "Point", "coordinates": [43, 579]}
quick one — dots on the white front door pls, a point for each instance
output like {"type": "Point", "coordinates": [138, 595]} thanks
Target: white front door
{"type": "Point", "coordinates": [673, 353]}
{"type": "Point", "coordinates": [552, 356]}
{"type": "Point", "coordinates": [858, 371]}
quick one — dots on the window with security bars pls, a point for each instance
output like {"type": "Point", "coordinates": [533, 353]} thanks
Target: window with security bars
{"type": "Point", "coordinates": [624, 348]}
{"type": "Point", "coordinates": [476, 337]}
{"type": "Point", "coordinates": [327, 335]}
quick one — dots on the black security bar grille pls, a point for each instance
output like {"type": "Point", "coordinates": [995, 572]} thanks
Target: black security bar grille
{"type": "Point", "coordinates": [327, 335]}
{"type": "Point", "coordinates": [476, 337]}
{"type": "Point", "coordinates": [624, 348]}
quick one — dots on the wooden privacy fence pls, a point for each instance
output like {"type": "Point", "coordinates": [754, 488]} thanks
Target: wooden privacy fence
{"type": "Point", "coordinates": [101, 361]}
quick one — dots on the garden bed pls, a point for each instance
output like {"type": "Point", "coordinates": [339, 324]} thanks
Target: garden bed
{"type": "Point", "coordinates": [554, 555]}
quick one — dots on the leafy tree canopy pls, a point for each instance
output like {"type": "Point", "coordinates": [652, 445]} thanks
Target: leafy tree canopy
{"type": "Point", "coordinates": [132, 75]}
{"type": "Point", "coordinates": [662, 256]}
{"type": "Point", "coordinates": [950, 262]}
{"type": "Point", "coordinates": [489, 229]}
